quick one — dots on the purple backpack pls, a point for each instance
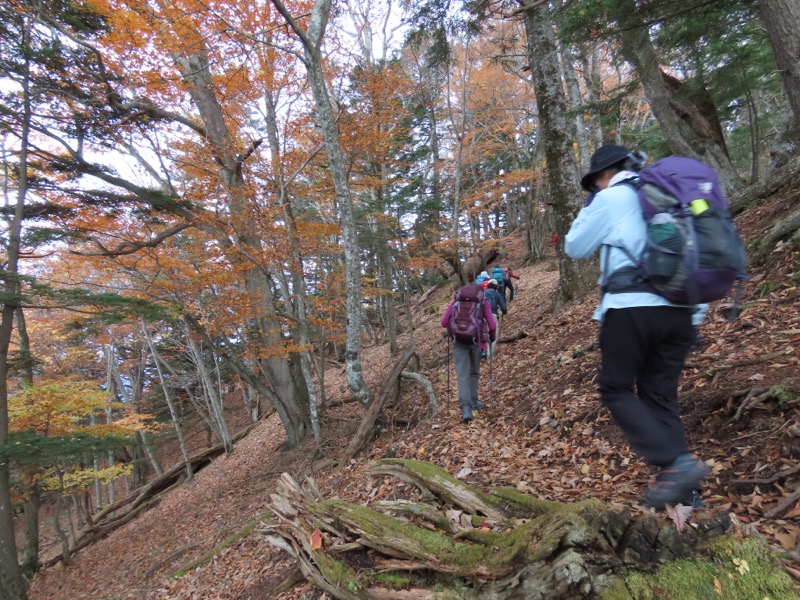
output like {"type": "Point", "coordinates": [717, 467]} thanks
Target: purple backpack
{"type": "Point", "coordinates": [693, 253]}
{"type": "Point", "coordinates": [466, 318]}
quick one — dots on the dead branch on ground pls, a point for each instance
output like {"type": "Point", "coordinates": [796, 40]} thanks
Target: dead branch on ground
{"type": "Point", "coordinates": [367, 427]}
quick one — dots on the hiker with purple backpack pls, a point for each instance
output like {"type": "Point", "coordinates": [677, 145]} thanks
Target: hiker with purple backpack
{"type": "Point", "coordinates": [644, 337]}
{"type": "Point", "coordinates": [471, 328]}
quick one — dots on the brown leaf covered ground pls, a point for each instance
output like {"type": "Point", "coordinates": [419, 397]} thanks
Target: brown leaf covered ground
{"type": "Point", "coordinates": [543, 433]}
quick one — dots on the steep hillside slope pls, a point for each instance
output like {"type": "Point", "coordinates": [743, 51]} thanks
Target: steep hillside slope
{"type": "Point", "coordinates": [543, 432]}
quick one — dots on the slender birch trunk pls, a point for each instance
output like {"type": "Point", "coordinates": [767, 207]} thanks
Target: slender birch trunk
{"type": "Point", "coordinates": [214, 401]}
{"type": "Point", "coordinates": [170, 404]}
{"type": "Point", "coordinates": [143, 440]}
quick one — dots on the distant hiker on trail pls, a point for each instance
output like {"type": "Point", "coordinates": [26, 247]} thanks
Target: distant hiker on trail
{"type": "Point", "coordinates": [644, 339]}
{"type": "Point", "coordinates": [556, 246]}
{"type": "Point", "coordinates": [482, 279]}
{"type": "Point", "coordinates": [471, 327]}
{"type": "Point", "coordinates": [498, 304]}
{"type": "Point", "coordinates": [497, 275]}
{"type": "Point", "coordinates": [508, 275]}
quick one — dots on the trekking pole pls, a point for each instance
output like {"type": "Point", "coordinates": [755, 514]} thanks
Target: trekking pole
{"type": "Point", "coordinates": [491, 375]}
{"type": "Point", "coordinates": [448, 368]}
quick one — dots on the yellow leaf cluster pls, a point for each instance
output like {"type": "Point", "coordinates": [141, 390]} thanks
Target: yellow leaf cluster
{"type": "Point", "coordinates": [61, 407]}
{"type": "Point", "coordinates": [77, 480]}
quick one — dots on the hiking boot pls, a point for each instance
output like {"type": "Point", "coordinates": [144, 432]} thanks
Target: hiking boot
{"type": "Point", "coordinates": [694, 500]}
{"type": "Point", "coordinates": [477, 405]}
{"type": "Point", "coordinates": [483, 354]}
{"type": "Point", "coordinates": [466, 413]}
{"type": "Point", "coordinates": [674, 484]}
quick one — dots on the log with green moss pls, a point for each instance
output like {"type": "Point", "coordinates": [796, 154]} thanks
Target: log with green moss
{"type": "Point", "coordinates": [461, 542]}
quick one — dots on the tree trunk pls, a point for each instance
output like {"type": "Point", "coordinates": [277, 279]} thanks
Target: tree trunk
{"type": "Point", "coordinates": [312, 52]}
{"type": "Point", "coordinates": [548, 551]}
{"type": "Point", "coordinates": [26, 358]}
{"type": "Point", "coordinates": [30, 552]}
{"type": "Point", "coordinates": [144, 441]}
{"type": "Point", "coordinates": [212, 394]}
{"type": "Point", "coordinates": [289, 399]}
{"type": "Point", "coordinates": [385, 270]}
{"type": "Point", "coordinates": [776, 180]}
{"type": "Point", "coordinates": [12, 584]}
{"type": "Point", "coordinates": [297, 267]}
{"type": "Point", "coordinates": [367, 428]}
{"type": "Point", "coordinates": [110, 399]}
{"type": "Point", "coordinates": [170, 404]}
{"type": "Point", "coordinates": [689, 125]}
{"type": "Point", "coordinates": [576, 109]}
{"type": "Point", "coordinates": [66, 551]}
{"type": "Point", "coordinates": [782, 19]}
{"type": "Point", "coordinates": [594, 87]}
{"type": "Point", "coordinates": [562, 174]}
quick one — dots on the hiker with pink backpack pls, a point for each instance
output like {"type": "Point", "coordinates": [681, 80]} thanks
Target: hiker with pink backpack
{"type": "Point", "coordinates": [471, 328]}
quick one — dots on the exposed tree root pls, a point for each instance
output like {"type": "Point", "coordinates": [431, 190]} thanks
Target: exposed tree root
{"type": "Point", "coordinates": [425, 383]}
{"type": "Point", "coordinates": [495, 546]}
{"type": "Point", "coordinates": [777, 477]}
{"type": "Point", "coordinates": [756, 396]}
{"type": "Point", "coordinates": [783, 505]}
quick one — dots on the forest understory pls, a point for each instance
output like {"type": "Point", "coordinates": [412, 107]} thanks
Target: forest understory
{"type": "Point", "coordinates": [542, 433]}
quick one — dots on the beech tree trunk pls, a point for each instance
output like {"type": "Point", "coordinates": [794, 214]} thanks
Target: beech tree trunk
{"type": "Point", "coordinates": [290, 399]}
{"type": "Point", "coordinates": [297, 267]}
{"type": "Point", "coordinates": [562, 174]}
{"type": "Point", "coordinates": [782, 19]}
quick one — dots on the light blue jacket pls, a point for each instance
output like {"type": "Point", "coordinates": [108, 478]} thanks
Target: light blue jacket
{"type": "Point", "coordinates": [611, 222]}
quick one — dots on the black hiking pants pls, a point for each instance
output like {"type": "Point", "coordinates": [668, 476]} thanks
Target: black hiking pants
{"type": "Point", "coordinates": [510, 287]}
{"type": "Point", "coordinates": [644, 349]}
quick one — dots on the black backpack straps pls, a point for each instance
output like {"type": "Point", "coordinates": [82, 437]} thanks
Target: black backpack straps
{"type": "Point", "coordinates": [626, 279]}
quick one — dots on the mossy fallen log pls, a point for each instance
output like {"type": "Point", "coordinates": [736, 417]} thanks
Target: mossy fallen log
{"type": "Point", "coordinates": [461, 542]}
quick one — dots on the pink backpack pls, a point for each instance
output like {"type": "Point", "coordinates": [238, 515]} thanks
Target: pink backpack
{"type": "Point", "coordinates": [466, 318]}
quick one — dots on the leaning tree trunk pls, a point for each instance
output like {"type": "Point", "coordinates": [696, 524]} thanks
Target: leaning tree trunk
{"type": "Point", "coordinates": [782, 19]}
{"type": "Point", "coordinates": [562, 174]}
{"type": "Point", "coordinates": [489, 546]}
{"type": "Point", "coordinates": [689, 126]}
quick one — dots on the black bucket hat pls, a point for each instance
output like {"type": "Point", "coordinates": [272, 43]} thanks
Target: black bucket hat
{"type": "Point", "coordinates": [603, 158]}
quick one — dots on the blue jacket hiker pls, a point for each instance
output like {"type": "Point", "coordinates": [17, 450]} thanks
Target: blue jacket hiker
{"type": "Point", "coordinates": [497, 275]}
{"type": "Point", "coordinates": [467, 353]}
{"type": "Point", "coordinates": [495, 298]}
{"type": "Point", "coordinates": [644, 339]}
